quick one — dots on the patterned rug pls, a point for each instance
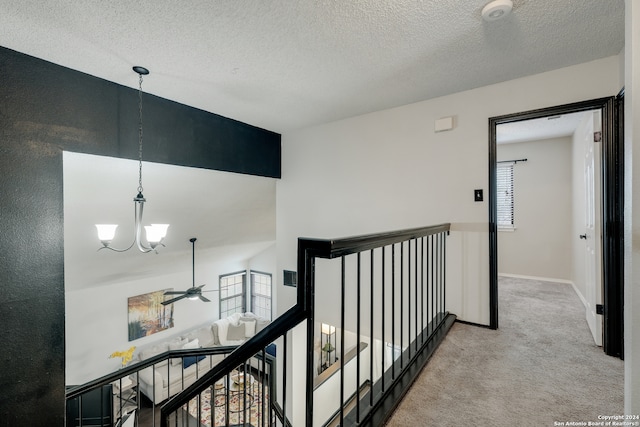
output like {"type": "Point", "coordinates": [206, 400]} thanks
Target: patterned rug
{"type": "Point", "coordinates": [252, 407]}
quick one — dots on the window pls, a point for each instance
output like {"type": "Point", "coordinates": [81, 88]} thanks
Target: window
{"type": "Point", "coordinates": [232, 292]}
{"type": "Point", "coordinates": [504, 186]}
{"type": "Point", "coordinates": [261, 294]}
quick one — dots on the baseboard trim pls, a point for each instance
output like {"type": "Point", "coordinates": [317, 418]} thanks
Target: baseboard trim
{"type": "Point", "coordinates": [548, 279]}
{"type": "Point", "coordinates": [542, 279]}
{"type": "Point", "coordinates": [575, 288]}
{"type": "Point", "coordinates": [479, 325]}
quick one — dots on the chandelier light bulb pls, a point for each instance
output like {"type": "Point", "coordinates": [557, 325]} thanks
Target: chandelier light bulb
{"type": "Point", "coordinates": [156, 232]}
{"type": "Point", "coordinates": [106, 232]}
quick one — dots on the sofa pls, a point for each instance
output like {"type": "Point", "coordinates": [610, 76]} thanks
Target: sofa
{"type": "Point", "coordinates": [169, 377]}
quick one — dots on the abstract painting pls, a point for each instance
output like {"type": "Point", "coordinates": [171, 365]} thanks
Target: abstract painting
{"type": "Point", "coordinates": [147, 315]}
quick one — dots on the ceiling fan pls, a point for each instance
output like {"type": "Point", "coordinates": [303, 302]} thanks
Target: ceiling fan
{"type": "Point", "coordinates": [194, 292]}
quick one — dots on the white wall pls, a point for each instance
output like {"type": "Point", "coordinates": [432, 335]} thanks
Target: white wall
{"type": "Point", "coordinates": [541, 244]}
{"type": "Point", "coordinates": [632, 201]}
{"type": "Point", "coordinates": [265, 262]}
{"type": "Point", "coordinates": [389, 170]}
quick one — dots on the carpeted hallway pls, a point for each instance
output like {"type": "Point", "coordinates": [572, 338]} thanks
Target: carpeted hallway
{"type": "Point", "coordinates": [540, 367]}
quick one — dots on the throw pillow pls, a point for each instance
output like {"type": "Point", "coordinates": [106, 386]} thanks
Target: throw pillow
{"type": "Point", "coordinates": [177, 345]}
{"type": "Point", "coordinates": [249, 327]}
{"type": "Point", "coordinates": [236, 332]}
{"type": "Point", "coordinates": [192, 345]}
{"type": "Point", "coordinates": [190, 360]}
{"type": "Point", "coordinates": [261, 324]}
{"type": "Point", "coordinates": [216, 336]}
{"type": "Point", "coordinates": [271, 349]}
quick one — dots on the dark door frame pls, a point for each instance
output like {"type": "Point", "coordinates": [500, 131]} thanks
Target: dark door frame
{"type": "Point", "coordinates": [612, 179]}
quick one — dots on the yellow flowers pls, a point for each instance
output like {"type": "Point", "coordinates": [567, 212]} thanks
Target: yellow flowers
{"type": "Point", "coordinates": [125, 355]}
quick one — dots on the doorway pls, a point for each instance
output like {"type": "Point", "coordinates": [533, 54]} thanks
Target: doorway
{"type": "Point", "coordinates": [610, 159]}
{"type": "Point", "coordinates": [547, 198]}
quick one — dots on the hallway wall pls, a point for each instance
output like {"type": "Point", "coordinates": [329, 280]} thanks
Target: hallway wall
{"type": "Point", "coordinates": [389, 170]}
{"type": "Point", "coordinates": [540, 245]}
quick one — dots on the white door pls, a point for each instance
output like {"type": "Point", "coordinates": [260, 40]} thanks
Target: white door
{"type": "Point", "coordinates": [592, 237]}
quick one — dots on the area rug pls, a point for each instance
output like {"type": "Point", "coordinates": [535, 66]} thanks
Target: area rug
{"type": "Point", "coordinates": [252, 407]}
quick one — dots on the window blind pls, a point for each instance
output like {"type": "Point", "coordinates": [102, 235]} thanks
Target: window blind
{"type": "Point", "coordinates": [504, 186]}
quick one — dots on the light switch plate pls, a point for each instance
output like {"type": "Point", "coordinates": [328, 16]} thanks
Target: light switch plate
{"type": "Point", "coordinates": [477, 195]}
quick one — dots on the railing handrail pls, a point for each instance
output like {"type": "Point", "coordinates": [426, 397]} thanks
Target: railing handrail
{"type": "Point", "coordinates": [248, 349]}
{"type": "Point", "coordinates": [75, 391]}
{"type": "Point", "coordinates": [333, 248]}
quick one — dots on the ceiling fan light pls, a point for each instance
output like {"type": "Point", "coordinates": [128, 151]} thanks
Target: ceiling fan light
{"type": "Point", "coordinates": [156, 232]}
{"type": "Point", "coordinates": [106, 232]}
{"type": "Point", "coordinates": [193, 297]}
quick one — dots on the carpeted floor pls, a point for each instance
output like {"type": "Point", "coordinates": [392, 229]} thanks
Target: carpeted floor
{"type": "Point", "coordinates": [540, 367]}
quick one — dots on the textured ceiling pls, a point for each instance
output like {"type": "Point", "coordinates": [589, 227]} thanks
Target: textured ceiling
{"type": "Point", "coordinates": [285, 64]}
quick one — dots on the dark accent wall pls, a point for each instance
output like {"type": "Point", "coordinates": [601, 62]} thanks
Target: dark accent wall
{"type": "Point", "coordinates": [45, 109]}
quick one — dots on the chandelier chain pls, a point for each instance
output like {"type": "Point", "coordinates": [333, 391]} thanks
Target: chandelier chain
{"type": "Point", "coordinates": [140, 135]}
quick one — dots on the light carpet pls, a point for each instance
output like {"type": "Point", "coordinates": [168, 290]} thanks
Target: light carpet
{"type": "Point", "coordinates": [540, 368]}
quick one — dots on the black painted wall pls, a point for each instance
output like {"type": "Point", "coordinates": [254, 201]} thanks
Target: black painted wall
{"type": "Point", "coordinates": [45, 109]}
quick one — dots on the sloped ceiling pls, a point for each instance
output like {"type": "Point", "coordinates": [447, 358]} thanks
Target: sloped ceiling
{"type": "Point", "coordinates": [284, 64]}
{"type": "Point", "coordinates": [233, 216]}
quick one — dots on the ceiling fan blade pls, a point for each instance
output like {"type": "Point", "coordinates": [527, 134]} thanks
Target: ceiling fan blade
{"type": "Point", "coordinates": [175, 292]}
{"type": "Point", "coordinates": [204, 299]}
{"type": "Point", "coordinates": [200, 287]}
{"type": "Point", "coordinates": [172, 300]}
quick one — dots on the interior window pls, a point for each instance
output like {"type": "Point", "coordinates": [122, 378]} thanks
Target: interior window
{"type": "Point", "coordinates": [232, 292]}
{"type": "Point", "coordinates": [261, 294]}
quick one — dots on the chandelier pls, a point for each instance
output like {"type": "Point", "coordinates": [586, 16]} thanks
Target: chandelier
{"type": "Point", "coordinates": [155, 233]}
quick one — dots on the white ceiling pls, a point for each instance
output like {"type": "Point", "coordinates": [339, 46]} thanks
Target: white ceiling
{"type": "Point", "coordinates": [283, 64]}
{"type": "Point", "coordinates": [539, 129]}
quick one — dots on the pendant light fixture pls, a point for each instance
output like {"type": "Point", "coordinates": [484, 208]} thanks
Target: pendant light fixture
{"type": "Point", "coordinates": [155, 233]}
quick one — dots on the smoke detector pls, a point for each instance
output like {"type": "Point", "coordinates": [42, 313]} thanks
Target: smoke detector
{"type": "Point", "coordinates": [497, 9]}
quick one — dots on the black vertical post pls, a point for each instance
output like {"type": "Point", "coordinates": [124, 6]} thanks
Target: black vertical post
{"type": "Point", "coordinates": [371, 329]}
{"type": "Point", "coordinates": [415, 278]}
{"type": "Point", "coordinates": [383, 315]}
{"type": "Point", "coordinates": [401, 303]}
{"type": "Point", "coordinates": [358, 285]}
{"type": "Point", "coordinates": [409, 297]}
{"type": "Point", "coordinates": [284, 379]}
{"type": "Point", "coordinates": [428, 296]}
{"type": "Point", "coordinates": [393, 311]}
{"type": "Point", "coordinates": [422, 288]}
{"type": "Point", "coordinates": [342, 306]}
{"type": "Point", "coordinates": [444, 262]}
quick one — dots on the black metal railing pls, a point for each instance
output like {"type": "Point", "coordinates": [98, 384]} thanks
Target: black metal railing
{"type": "Point", "coordinates": [387, 290]}
{"type": "Point", "coordinates": [390, 314]}
{"type": "Point", "coordinates": [107, 400]}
